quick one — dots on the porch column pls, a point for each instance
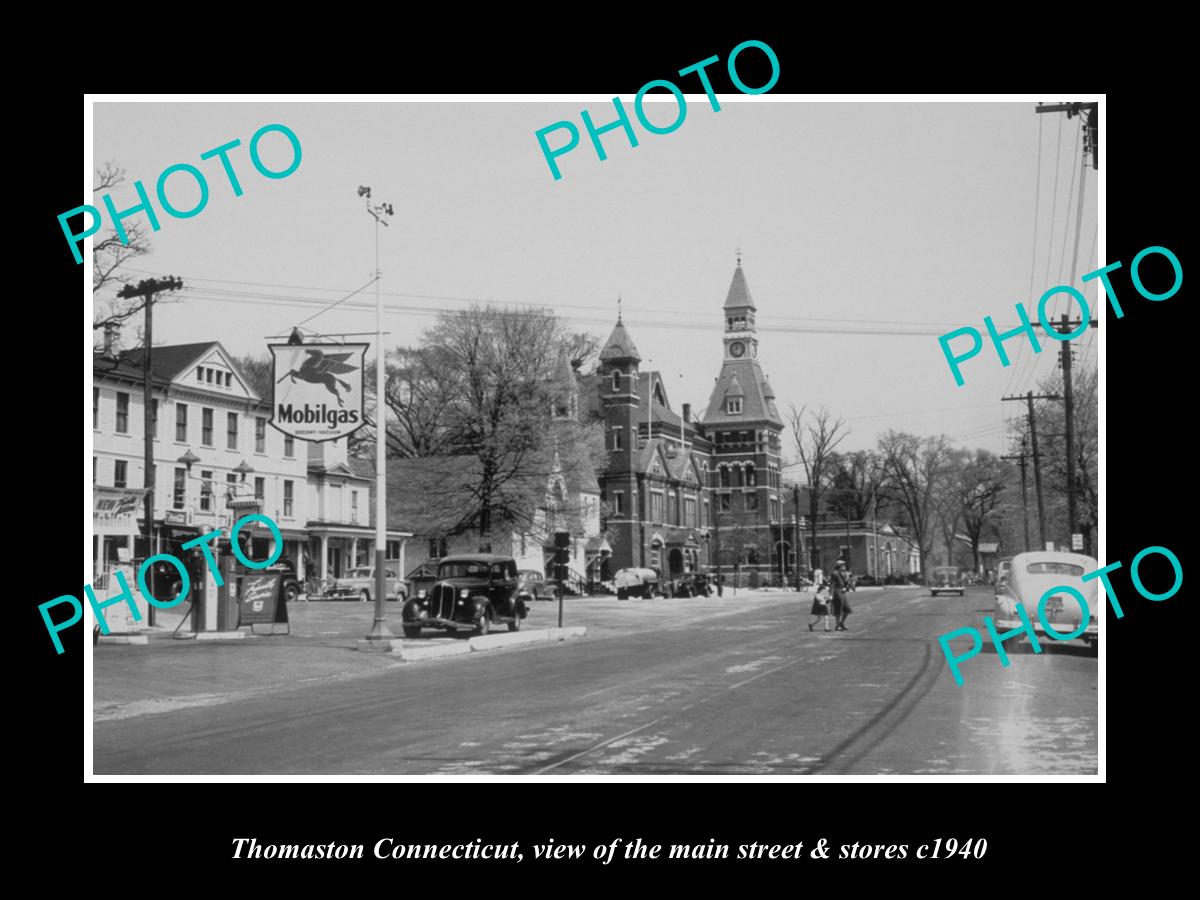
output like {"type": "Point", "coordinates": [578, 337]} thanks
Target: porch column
{"type": "Point", "coordinates": [324, 567]}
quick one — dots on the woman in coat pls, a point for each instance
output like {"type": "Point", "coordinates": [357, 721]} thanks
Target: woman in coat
{"type": "Point", "coordinates": [841, 587]}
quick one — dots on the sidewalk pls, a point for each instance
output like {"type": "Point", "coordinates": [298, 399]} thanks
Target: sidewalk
{"type": "Point", "coordinates": [168, 674]}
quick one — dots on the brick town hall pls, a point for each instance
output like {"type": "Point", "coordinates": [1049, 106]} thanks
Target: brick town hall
{"type": "Point", "coordinates": [683, 491]}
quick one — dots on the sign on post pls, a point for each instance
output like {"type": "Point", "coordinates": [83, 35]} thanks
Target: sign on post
{"type": "Point", "coordinates": [318, 390]}
{"type": "Point", "coordinates": [258, 599]}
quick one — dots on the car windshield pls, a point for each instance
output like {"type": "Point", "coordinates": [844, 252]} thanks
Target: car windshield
{"type": "Point", "coordinates": [359, 573]}
{"type": "Point", "coordinates": [463, 570]}
{"type": "Point", "coordinates": [1053, 568]}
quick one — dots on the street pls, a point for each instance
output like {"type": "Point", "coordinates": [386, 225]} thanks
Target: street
{"type": "Point", "coordinates": [737, 686]}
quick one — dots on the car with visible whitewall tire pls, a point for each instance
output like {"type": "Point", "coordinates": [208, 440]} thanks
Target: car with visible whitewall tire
{"type": "Point", "coordinates": [473, 592]}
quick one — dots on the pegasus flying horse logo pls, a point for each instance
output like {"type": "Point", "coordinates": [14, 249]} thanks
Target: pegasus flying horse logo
{"type": "Point", "coordinates": [323, 368]}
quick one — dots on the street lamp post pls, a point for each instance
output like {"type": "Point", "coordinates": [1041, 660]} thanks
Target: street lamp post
{"type": "Point", "coordinates": [379, 629]}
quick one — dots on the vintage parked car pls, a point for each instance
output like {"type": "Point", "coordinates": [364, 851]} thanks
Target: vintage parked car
{"type": "Point", "coordinates": [1002, 573]}
{"type": "Point", "coordinates": [534, 585]}
{"type": "Point", "coordinates": [691, 584]}
{"type": "Point", "coordinates": [947, 580]}
{"type": "Point", "coordinates": [473, 592]}
{"type": "Point", "coordinates": [359, 584]}
{"type": "Point", "coordinates": [1030, 577]}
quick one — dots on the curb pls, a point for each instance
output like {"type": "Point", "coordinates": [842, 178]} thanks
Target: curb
{"type": "Point", "coordinates": [429, 651]}
{"type": "Point", "coordinates": [220, 635]}
{"type": "Point", "coordinates": [561, 634]}
{"type": "Point", "coordinates": [510, 639]}
{"type": "Point", "coordinates": [123, 639]}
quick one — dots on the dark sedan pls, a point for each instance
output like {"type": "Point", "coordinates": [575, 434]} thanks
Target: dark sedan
{"type": "Point", "coordinates": [472, 593]}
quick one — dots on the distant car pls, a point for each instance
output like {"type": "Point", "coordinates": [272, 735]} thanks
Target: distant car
{"type": "Point", "coordinates": [865, 580]}
{"type": "Point", "coordinates": [534, 586]}
{"type": "Point", "coordinates": [472, 593]}
{"type": "Point", "coordinates": [946, 580]}
{"type": "Point", "coordinates": [693, 584]}
{"type": "Point", "coordinates": [359, 584]}
{"type": "Point", "coordinates": [1002, 569]}
{"type": "Point", "coordinates": [635, 582]}
{"type": "Point", "coordinates": [289, 584]}
{"type": "Point", "coordinates": [1031, 577]}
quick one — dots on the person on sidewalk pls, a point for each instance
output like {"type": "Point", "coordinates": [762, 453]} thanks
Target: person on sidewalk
{"type": "Point", "coordinates": [841, 587]}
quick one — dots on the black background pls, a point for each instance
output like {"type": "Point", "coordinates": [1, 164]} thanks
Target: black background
{"type": "Point", "coordinates": [185, 830]}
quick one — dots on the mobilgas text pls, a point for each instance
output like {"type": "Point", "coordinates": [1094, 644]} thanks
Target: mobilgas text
{"type": "Point", "coordinates": [1027, 626]}
{"type": "Point", "coordinates": [98, 606]}
{"type": "Point", "coordinates": [622, 120]}
{"type": "Point", "coordinates": [144, 206]}
{"type": "Point", "coordinates": [307, 415]}
{"type": "Point", "coordinates": [1026, 327]}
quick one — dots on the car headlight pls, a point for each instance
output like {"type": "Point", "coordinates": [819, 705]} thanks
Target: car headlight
{"type": "Point", "coordinates": [460, 602]}
{"type": "Point", "coordinates": [421, 594]}
{"type": "Point", "coordinates": [463, 593]}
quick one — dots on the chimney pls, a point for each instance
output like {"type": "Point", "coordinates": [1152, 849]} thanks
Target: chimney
{"type": "Point", "coordinates": [109, 335]}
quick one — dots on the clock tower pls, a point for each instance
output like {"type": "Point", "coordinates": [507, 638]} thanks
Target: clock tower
{"type": "Point", "coordinates": [745, 429]}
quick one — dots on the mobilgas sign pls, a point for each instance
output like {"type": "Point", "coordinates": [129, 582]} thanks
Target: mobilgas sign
{"type": "Point", "coordinates": [318, 390]}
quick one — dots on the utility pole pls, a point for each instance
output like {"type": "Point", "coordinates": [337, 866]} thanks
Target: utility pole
{"type": "Point", "coordinates": [1088, 112]}
{"type": "Point", "coordinates": [379, 629]}
{"type": "Point", "coordinates": [1020, 458]}
{"type": "Point", "coordinates": [147, 288]}
{"type": "Point", "coordinates": [1037, 469]}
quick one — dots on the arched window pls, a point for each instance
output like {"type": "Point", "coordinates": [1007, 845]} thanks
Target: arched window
{"type": "Point", "coordinates": [750, 479]}
{"type": "Point", "coordinates": [724, 476]}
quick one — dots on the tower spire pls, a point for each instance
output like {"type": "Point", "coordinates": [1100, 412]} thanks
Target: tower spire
{"type": "Point", "coordinates": [738, 251]}
{"type": "Point", "coordinates": [618, 307]}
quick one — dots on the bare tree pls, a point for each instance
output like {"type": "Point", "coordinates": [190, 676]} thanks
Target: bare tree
{"type": "Point", "coordinates": [109, 256]}
{"type": "Point", "coordinates": [260, 372]}
{"type": "Point", "coordinates": [854, 483]}
{"type": "Point", "coordinates": [914, 469]}
{"type": "Point", "coordinates": [582, 349]}
{"type": "Point", "coordinates": [982, 483]}
{"type": "Point", "coordinates": [817, 437]}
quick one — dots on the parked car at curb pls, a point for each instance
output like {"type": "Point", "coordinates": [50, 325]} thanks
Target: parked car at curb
{"type": "Point", "coordinates": [473, 592]}
{"type": "Point", "coordinates": [534, 586]}
{"type": "Point", "coordinates": [947, 580]}
{"type": "Point", "coordinates": [359, 584]}
{"type": "Point", "coordinates": [1031, 577]}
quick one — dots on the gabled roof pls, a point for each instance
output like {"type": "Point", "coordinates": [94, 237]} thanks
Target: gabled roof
{"type": "Point", "coordinates": [170, 363]}
{"type": "Point", "coordinates": [619, 346]}
{"type": "Point", "coordinates": [739, 292]}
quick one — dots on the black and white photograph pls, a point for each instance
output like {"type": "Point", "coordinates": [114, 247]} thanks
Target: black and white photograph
{"type": "Point", "coordinates": [502, 438]}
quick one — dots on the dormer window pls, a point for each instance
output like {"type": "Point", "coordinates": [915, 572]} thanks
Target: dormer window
{"type": "Point", "coordinates": [200, 373]}
{"type": "Point", "coordinates": [733, 406]}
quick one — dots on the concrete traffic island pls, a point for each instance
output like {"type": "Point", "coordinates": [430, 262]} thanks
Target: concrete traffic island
{"type": "Point", "coordinates": [412, 650]}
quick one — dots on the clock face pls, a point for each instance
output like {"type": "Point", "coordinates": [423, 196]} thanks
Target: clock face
{"type": "Point", "coordinates": [737, 348]}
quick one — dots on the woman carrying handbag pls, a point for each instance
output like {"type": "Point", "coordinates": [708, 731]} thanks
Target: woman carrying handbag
{"type": "Point", "coordinates": [820, 604]}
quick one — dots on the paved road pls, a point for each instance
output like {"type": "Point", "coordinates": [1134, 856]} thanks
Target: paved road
{"type": "Point", "coordinates": [754, 694]}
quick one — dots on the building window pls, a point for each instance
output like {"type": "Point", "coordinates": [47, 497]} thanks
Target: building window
{"type": "Point", "coordinates": [725, 502]}
{"type": "Point", "coordinates": [704, 515]}
{"type": "Point", "coordinates": [260, 488]}
{"type": "Point", "coordinates": [180, 489]}
{"type": "Point", "coordinates": [616, 438]}
{"type": "Point", "coordinates": [181, 422]}
{"type": "Point", "coordinates": [206, 427]}
{"type": "Point", "coordinates": [208, 376]}
{"type": "Point", "coordinates": [95, 407]}
{"type": "Point", "coordinates": [94, 469]}
{"type": "Point", "coordinates": [689, 512]}
{"type": "Point", "coordinates": [122, 413]}
{"type": "Point", "coordinates": [618, 504]}
{"type": "Point", "coordinates": [120, 471]}
{"type": "Point", "coordinates": [228, 379]}
{"type": "Point", "coordinates": [354, 506]}
{"type": "Point", "coordinates": [288, 499]}
{"type": "Point", "coordinates": [154, 419]}
{"type": "Point", "coordinates": [393, 550]}
{"type": "Point", "coordinates": [750, 500]}
{"type": "Point", "coordinates": [200, 373]}
{"type": "Point", "coordinates": [656, 506]}
{"type": "Point", "coordinates": [260, 434]}
{"type": "Point", "coordinates": [616, 379]}
{"type": "Point", "coordinates": [750, 476]}
{"type": "Point", "coordinates": [231, 431]}
{"type": "Point", "coordinates": [733, 405]}
{"type": "Point", "coordinates": [206, 491]}
{"type": "Point", "coordinates": [437, 548]}
{"type": "Point", "coordinates": [289, 445]}
{"type": "Point", "coordinates": [724, 476]}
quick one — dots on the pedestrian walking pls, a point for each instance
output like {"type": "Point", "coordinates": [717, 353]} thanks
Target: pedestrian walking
{"type": "Point", "coordinates": [820, 604]}
{"type": "Point", "coordinates": [841, 586]}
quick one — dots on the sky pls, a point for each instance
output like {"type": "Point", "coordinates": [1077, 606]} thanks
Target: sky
{"type": "Point", "coordinates": [870, 218]}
